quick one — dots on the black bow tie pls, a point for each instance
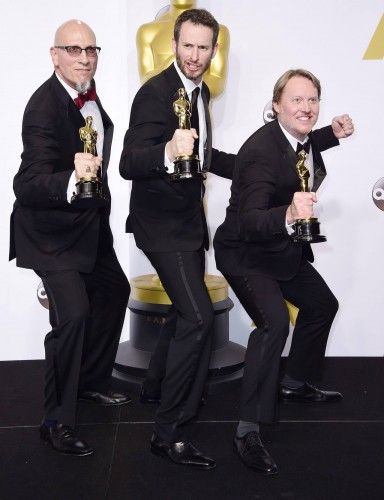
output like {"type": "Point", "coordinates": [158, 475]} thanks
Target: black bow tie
{"type": "Point", "coordinates": [305, 146]}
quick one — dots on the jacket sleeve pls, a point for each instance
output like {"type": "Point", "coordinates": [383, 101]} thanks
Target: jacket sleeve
{"type": "Point", "coordinates": [324, 138]}
{"type": "Point", "coordinates": [258, 219]}
{"type": "Point", "coordinates": [222, 164]}
{"type": "Point", "coordinates": [145, 140]}
{"type": "Point", "coordinates": [41, 181]}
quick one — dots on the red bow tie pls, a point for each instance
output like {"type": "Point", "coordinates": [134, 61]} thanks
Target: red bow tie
{"type": "Point", "coordinates": [81, 99]}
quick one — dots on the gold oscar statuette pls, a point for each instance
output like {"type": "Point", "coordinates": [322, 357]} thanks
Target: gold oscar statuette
{"type": "Point", "coordinates": [89, 189]}
{"type": "Point", "coordinates": [306, 230]}
{"type": "Point", "coordinates": [186, 166]}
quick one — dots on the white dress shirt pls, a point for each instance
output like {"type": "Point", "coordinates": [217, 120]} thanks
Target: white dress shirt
{"type": "Point", "coordinates": [90, 108]}
{"type": "Point", "coordinates": [190, 86]}
{"type": "Point", "coordinates": [308, 162]}
{"type": "Point", "coordinates": [309, 159]}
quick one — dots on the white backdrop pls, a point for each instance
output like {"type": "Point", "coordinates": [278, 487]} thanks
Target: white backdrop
{"type": "Point", "coordinates": [329, 38]}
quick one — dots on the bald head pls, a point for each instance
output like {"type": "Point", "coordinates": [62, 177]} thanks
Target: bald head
{"type": "Point", "coordinates": [70, 28]}
{"type": "Point", "coordinates": [77, 70]}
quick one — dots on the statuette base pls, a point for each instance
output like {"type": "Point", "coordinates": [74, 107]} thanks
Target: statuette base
{"type": "Point", "coordinates": [307, 231]}
{"type": "Point", "coordinates": [89, 194]}
{"type": "Point", "coordinates": [187, 167]}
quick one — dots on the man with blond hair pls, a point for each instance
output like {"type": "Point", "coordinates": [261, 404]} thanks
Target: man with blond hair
{"type": "Point", "coordinates": [263, 265]}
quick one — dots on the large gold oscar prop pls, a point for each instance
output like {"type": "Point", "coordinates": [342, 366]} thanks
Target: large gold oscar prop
{"type": "Point", "coordinates": [186, 166]}
{"type": "Point", "coordinates": [306, 230]}
{"type": "Point", "coordinates": [89, 189]}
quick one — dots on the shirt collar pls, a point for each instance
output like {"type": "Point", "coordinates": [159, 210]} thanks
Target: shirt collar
{"type": "Point", "coordinates": [72, 92]}
{"type": "Point", "coordinates": [292, 140]}
{"type": "Point", "coordinates": [189, 85]}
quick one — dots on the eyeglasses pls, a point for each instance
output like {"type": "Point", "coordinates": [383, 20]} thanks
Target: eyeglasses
{"type": "Point", "coordinates": [75, 50]}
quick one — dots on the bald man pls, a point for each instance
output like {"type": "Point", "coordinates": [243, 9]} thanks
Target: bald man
{"type": "Point", "coordinates": [70, 246]}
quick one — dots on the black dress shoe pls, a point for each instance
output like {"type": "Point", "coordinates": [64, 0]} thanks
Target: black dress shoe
{"type": "Point", "coordinates": [106, 399]}
{"type": "Point", "coordinates": [253, 454]}
{"type": "Point", "coordinates": [63, 438]}
{"type": "Point", "coordinates": [308, 394]}
{"type": "Point", "coordinates": [182, 453]}
{"type": "Point", "coordinates": [147, 399]}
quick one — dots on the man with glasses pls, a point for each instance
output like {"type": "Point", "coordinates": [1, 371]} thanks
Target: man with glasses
{"type": "Point", "coordinates": [70, 246]}
{"type": "Point", "coordinates": [264, 266]}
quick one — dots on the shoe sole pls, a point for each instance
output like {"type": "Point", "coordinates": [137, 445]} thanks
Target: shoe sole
{"type": "Point", "coordinates": [104, 404]}
{"type": "Point", "coordinates": [167, 457]}
{"type": "Point", "coordinates": [308, 401]}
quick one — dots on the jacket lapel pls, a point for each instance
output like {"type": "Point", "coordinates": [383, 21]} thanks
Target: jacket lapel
{"type": "Point", "coordinates": [319, 171]}
{"type": "Point", "coordinates": [108, 133]}
{"type": "Point", "coordinates": [173, 82]}
{"type": "Point", "coordinates": [208, 142]}
{"type": "Point", "coordinates": [68, 110]}
{"type": "Point", "coordinates": [289, 155]}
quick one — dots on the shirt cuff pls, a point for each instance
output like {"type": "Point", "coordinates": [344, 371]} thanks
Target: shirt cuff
{"type": "Point", "coordinates": [71, 190]}
{"type": "Point", "coordinates": [170, 166]}
{"type": "Point", "coordinates": [289, 227]}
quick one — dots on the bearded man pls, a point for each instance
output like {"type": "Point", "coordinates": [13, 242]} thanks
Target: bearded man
{"type": "Point", "coordinates": [168, 222]}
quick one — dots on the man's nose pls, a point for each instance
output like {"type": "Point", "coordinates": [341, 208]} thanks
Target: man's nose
{"type": "Point", "coordinates": [305, 106]}
{"type": "Point", "coordinates": [195, 53]}
{"type": "Point", "coordinates": [83, 57]}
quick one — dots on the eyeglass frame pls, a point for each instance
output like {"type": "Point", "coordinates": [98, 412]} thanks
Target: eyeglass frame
{"type": "Point", "coordinates": [66, 47]}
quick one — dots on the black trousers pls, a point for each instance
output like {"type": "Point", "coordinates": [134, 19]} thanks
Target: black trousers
{"type": "Point", "coordinates": [263, 299]}
{"type": "Point", "coordinates": [184, 346]}
{"type": "Point", "coordinates": [86, 312]}
{"type": "Point", "coordinates": [157, 365]}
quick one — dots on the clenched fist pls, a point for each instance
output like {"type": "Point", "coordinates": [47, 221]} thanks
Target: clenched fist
{"type": "Point", "coordinates": [181, 143]}
{"type": "Point", "coordinates": [301, 206]}
{"type": "Point", "coordinates": [87, 165]}
{"type": "Point", "coordinates": [342, 126]}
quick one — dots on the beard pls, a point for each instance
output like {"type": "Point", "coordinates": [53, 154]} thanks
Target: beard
{"type": "Point", "coordinates": [82, 88]}
{"type": "Point", "coordinates": [195, 77]}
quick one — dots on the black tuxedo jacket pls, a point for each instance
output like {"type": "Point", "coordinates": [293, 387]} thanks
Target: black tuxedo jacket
{"type": "Point", "coordinates": [165, 215]}
{"type": "Point", "coordinates": [47, 233]}
{"type": "Point", "coordinates": [253, 238]}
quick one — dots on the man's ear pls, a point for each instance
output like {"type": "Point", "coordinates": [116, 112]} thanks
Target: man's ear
{"type": "Point", "coordinates": [276, 108]}
{"type": "Point", "coordinates": [54, 57]}
{"type": "Point", "coordinates": [214, 50]}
